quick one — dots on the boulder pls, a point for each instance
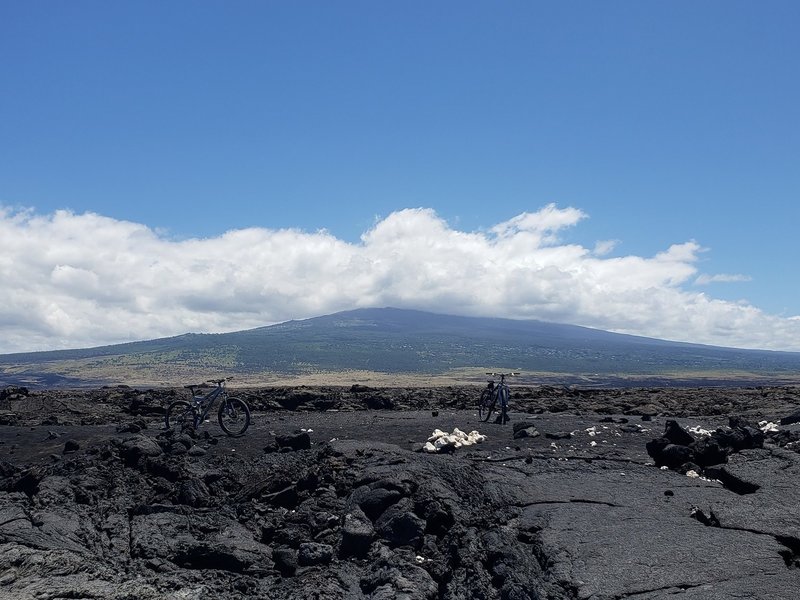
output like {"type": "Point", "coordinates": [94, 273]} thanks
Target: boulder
{"type": "Point", "coordinates": [644, 410]}
{"type": "Point", "coordinates": [285, 559]}
{"type": "Point", "coordinates": [379, 402]}
{"type": "Point", "coordinates": [675, 456]}
{"type": "Point", "coordinates": [138, 446]}
{"type": "Point", "coordinates": [357, 534]}
{"type": "Point", "coordinates": [311, 554]}
{"type": "Point", "coordinates": [791, 418]}
{"type": "Point", "coordinates": [192, 492]}
{"type": "Point", "coordinates": [294, 441]}
{"type": "Point", "coordinates": [376, 501]}
{"type": "Point", "coordinates": [527, 432]}
{"type": "Point", "coordinates": [708, 451]}
{"type": "Point", "coordinates": [523, 425]}
{"type": "Point", "coordinates": [677, 434]}
{"type": "Point", "coordinates": [666, 454]}
{"type": "Point", "coordinates": [399, 526]}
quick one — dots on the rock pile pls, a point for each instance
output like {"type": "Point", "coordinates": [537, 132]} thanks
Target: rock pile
{"type": "Point", "coordinates": [444, 443]}
{"type": "Point", "coordinates": [707, 454]}
{"type": "Point", "coordinates": [678, 449]}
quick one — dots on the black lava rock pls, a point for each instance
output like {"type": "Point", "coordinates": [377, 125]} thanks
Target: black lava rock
{"type": "Point", "coordinates": [285, 560]}
{"type": "Point", "coordinates": [294, 441]}
{"type": "Point", "coordinates": [675, 456]}
{"type": "Point", "coordinates": [192, 492]}
{"type": "Point", "coordinates": [677, 434]}
{"type": "Point", "coordinates": [399, 526]}
{"type": "Point", "coordinates": [312, 553]}
{"type": "Point", "coordinates": [523, 425]}
{"type": "Point", "coordinates": [357, 534]}
{"type": "Point", "coordinates": [378, 500]}
{"type": "Point", "coordinates": [558, 435]}
{"type": "Point", "coordinates": [527, 432]}
{"type": "Point", "coordinates": [708, 451]}
{"type": "Point", "coordinates": [791, 418]}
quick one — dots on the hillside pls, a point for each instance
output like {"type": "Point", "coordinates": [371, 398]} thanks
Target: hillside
{"type": "Point", "coordinates": [396, 341]}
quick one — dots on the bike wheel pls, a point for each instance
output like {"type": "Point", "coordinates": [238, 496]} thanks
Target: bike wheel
{"type": "Point", "coordinates": [180, 414]}
{"type": "Point", "coordinates": [234, 416]}
{"type": "Point", "coordinates": [486, 405]}
{"type": "Point", "coordinates": [503, 397]}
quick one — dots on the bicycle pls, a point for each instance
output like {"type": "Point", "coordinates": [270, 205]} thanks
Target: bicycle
{"type": "Point", "coordinates": [492, 394]}
{"type": "Point", "coordinates": [233, 414]}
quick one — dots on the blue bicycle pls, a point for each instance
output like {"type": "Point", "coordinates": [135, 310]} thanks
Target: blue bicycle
{"type": "Point", "coordinates": [494, 393]}
{"type": "Point", "coordinates": [233, 414]}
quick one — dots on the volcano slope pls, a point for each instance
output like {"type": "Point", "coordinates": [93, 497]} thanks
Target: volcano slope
{"type": "Point", "coordinates": [97, 500]}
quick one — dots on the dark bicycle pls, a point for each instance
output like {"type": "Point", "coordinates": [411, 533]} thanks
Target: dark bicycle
{"type": "Point", "coordinates": [233, 414]}
{"type": "Point", "coordinates": [494, 393]}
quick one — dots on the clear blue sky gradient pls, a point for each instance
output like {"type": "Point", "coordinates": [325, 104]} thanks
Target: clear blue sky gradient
{"type": "Point", "coordinates": [663, 121]}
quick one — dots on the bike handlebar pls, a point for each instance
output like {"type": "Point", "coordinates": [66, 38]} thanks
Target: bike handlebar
{"type": "Point", "coordinates": [205, 384]}
{"type": "Point", "coordinates": [502, 377]}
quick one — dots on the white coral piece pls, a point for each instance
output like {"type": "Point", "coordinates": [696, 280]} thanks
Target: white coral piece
{"type": "Point", "coordinates": [439, 439]}
{"type": "Point", "coordinates": [768, 426]}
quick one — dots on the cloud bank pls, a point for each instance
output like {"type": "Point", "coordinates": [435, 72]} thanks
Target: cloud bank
{"type": "Point", "coordinates": [79, 280]}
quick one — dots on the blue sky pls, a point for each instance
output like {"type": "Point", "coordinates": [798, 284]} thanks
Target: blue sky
{"type": "Point", "coordinates": [662, 123]}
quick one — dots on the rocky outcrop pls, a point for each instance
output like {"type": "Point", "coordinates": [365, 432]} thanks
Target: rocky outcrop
{"type": "Point", "coordinates": [576, 512]}
{"type": "Point", "coordinates": [678, 449]}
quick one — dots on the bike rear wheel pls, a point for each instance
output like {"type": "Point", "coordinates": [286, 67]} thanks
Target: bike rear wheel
{"type": "Point", "coordinates": [503, 396]}
{"type": "Point", "coordinates": [234, 416]}
{"type": "Point", "coordinates": [179, 415]}
{"type": "Point", "coordinates": [486, 405]}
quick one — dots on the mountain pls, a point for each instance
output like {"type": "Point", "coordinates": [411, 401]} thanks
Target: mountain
{"type": "Point", "coordinates": [394, 341]}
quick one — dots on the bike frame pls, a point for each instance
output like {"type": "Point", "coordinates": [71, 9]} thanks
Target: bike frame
{"type": "Point", "coordinates": [206, 401]}
{"type": "Point", "coordinates": [502, 397]}
{"type": "Point", "coordinates": [501, 385]}
{"type": "Point", "coordinates": [233, 414]}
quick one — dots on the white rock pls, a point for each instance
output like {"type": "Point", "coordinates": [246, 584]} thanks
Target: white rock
{"type": "Point", "coordinates": [476, 438]}
{"type": "Point", "coordinates": [437, 433]}
{"type": "Point", "coordinates": [768, 426]}
{"type": "Point", "coordinates": [441, 443]}
{"type": "Point", "coordinates": [699, 430]}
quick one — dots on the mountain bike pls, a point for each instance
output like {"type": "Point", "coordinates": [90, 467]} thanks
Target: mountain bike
{"type": "Point", "coordinates": [233, 414]}
{"type": "Point", "coordinates": [493, 393]}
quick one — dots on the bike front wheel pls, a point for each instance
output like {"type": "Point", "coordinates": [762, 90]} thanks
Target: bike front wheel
{"type": "Point", "coordinates": [180, 414]}
{"type": "Point", "coordinates": [234, 416]}
{"type": "Point", "coordinates": [486, 405]}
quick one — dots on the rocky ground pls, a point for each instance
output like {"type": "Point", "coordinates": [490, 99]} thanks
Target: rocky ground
{"type": "Point", "coordinates": [585, 494]}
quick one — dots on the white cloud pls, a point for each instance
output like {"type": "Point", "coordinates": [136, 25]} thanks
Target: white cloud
{"type": "Point", "coordinates": [721, 278]}
{"type": "Point", "coordinates": [541, 225]}
{"type": "Point", "coordinates": [604, 247]}
{"type": "Point", "coordinates": [76, 280]}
